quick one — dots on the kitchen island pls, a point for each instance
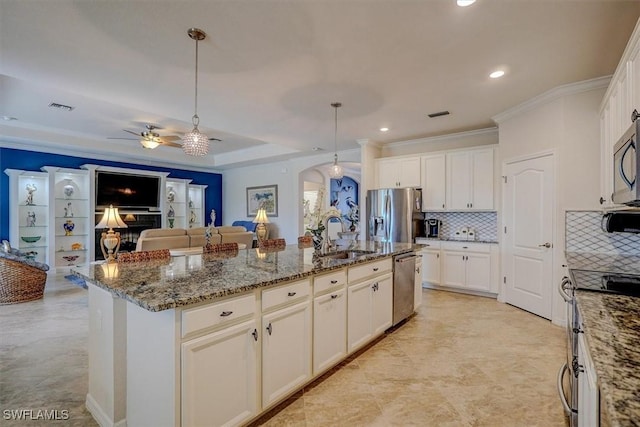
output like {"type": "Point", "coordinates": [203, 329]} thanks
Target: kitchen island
{"type": "Point", "coordinates": [611, 326]}
{"type": "Point", "coordinates": [218, 339]}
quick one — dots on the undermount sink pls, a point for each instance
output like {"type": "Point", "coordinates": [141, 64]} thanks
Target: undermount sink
{"type": "Point", "coordinates": [348, 254]}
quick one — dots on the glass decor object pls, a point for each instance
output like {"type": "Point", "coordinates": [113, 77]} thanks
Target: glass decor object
{"type": "Point", "coordinates": [31, 188]}
{"type": "Point", "coordinates": [68, 189]}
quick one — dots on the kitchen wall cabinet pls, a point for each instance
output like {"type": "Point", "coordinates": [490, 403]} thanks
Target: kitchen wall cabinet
{"type": "Point", "coordinates": [621, 98]}
{"type": "Point", "coordinates": [469, 180]}
{"type": "Point", "coordinates": [219, 376]}
{"type": "Point", "coordinates": [398, 172]}
{"type": "Point", "coordinates": [29, 214]}
{"type": "Point", "coordinates": [433, 182]}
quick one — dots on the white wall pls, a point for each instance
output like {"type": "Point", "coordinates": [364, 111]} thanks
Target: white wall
{"type": "Point", "coordinates": [567, 123]}
{"type": "Point", "coordinates": [284, 174]}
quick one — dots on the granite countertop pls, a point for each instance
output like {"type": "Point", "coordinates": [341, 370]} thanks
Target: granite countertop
{"type": "Point", "coordinates": [165, 284]}
{"type": "Point", "coordinates": [455, 240]}
{"type": "Point", "coordinates": [611, 326]}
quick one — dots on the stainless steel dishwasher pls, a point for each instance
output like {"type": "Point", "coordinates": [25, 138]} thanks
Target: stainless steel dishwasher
{"type": "Point", "coordinates": [404, 267]}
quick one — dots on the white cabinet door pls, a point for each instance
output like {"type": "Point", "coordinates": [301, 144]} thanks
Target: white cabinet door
{"type": "Point", "coordinates": [453, 268]}
{"type": "Point", "coordinates": [219, 377]}
{"type": "Point", "coordinates": [417, 294]}
{"type": "Point", "coordinates": [382, 305]}
{"type": "Point", "coordinates": [433, 182]}
{"type": "Point", "coordinates": [458, 180]}
{"type": "Point", "coordinates": [470, 180]}
{"type": "Point", "coordinates": [482, 180]}
{"type": "Point", "coordinates": [588, 393]}
{"type": "Point", "coordinates": [634, 80]}
{"type": "Point", "coordinates": [431, 266]}
{"type": "Point", "coordinates": [396, 173]}
{"type": "Point", "coordinates": [478, 271]}
{"type": "Point", "coordinates": [329, 330]}
{"type": "Point", "coordinates": [359, 315]}
{"type": "Point", "coordinates": [388, 173]}
{"type": "Point", "coordinates": [286, 351]}
{"type": "Point", "coordinates": [409, 172]}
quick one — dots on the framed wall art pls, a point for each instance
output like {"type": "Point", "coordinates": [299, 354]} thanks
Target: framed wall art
{"type": "Point", "coordinates": [262, 197]}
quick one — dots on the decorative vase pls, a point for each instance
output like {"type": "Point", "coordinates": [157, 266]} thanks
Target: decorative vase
{"type": "Point", "coordinates": [171, 222]}
{"type": "Point", "coordinates": [68, 227]}
{"type": "Point", "coordinates": [352, 227]}
{"type": "Point", "coordinates": [317, 242]}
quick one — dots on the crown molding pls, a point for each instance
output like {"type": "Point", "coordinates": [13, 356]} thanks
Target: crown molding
{"type": "Point", "coordinates": [442, 138]}
{"type": "Point", "coordinates": [551, 95]}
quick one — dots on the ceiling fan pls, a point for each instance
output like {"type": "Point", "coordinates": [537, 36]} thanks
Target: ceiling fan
{"type": "Point", "coordinates": [151, 139]}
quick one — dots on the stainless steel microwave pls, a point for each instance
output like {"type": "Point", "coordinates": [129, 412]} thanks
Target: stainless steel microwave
{"type": "Point", "coordinates": [625, 166]}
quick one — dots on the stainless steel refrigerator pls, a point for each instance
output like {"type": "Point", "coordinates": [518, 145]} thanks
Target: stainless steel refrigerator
{"type": "Point", "coordinates": [395, 214]}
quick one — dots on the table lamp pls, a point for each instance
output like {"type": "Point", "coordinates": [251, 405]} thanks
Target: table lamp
{"type": "Point", "coordinates": [111, 239]}
{"type": "Point", "coordinates": [261, 219]}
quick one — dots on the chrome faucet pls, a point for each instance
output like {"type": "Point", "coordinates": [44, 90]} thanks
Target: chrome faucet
{"type": "Point", "coordinates": [327, 244]}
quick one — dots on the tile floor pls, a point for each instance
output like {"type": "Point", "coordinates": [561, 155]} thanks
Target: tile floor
{"type": "Point", "coordinates": [461, 361]}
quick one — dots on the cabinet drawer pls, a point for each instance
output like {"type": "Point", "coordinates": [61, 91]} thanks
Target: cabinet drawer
{"type": "Point", "coordinates": [218, 313]}
{"type": "Point", "coordinates": [370, 269]}
{"type": "Point", "coordinates": [467, 246]}
{"type": "Point", "coordinates": [328, 281]}
{"type": "Point", "coordinates": [284, 294]}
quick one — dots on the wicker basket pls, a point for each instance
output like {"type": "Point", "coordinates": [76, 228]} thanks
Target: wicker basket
{"type": "Point", "coordinates": [20, 282]}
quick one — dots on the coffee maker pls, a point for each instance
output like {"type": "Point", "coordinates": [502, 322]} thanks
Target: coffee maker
{"type": "Point", "coordinates": [432, 227]}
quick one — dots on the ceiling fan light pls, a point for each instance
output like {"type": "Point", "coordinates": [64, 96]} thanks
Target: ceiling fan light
{"type": "Point", "coordinates": [149, 143]}
{"type": "Point", "coordinates": [195, 143]}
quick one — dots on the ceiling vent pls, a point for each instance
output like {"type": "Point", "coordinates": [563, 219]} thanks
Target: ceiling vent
{"type": "Point", "coordinates": [61, 106]}
{"type": "Point", "coordinates": [439, 113]}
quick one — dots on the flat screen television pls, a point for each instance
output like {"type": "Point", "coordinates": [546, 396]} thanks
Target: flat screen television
{"type": "Point", "coordinates": [127, 191]}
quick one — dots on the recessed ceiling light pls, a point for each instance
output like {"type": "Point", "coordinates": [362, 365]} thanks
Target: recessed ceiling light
{"type": "Point", "coordinates": [465, 3]}
{"type": "Point", "coordinates": [384, 129]}
{"type": "Point", "coordinates": [496, 74]}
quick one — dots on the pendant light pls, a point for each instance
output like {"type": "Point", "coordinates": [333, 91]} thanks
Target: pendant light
{"type": "Point", "coordinates": [336, 170]}
{"type": "Point", "coordinates": [196, 143]}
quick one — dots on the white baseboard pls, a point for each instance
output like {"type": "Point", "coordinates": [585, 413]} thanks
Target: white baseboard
{"type": "Point", "coordinates": [98, 414]}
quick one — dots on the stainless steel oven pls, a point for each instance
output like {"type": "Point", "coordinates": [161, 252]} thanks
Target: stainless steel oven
{"type": "Point", "coordinates": [568, 374]}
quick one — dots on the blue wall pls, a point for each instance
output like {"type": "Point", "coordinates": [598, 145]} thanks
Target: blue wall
{"type": "Point", "coordinates": [33, 161]}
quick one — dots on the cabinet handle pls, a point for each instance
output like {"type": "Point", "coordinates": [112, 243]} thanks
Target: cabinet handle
{"type": "Point", "coordinates": [470, 205]}
{"type": "Point", "coordinates": [334, 296]}
{"type": "Point", "coordinates": [443, 206]}
{"type": "Point", "coordinates": [375, 287]}
{"type": "Point", "coordinates": [437, 255]}
{"type": "Point", "coordinates": [565, 404]}
{"type": "Point", "coordinates": [290, 294]}
{"type": "Point", "coordinates": [333, 282]}
{"type": "Point", "coordinates": [601, 200]}
{"type": "Point", "coordinates": [269, 329]}
{"type": "Point", "coordinates": [418, 270]}
{"type": "Point", "coordinates": [465, 247]}
{"type": "Point", "coordinates": [255, 334]}
{"type": "Point", "coordinates": [226, 313]}
{"type": "Point", "coordinates": [375, 268]}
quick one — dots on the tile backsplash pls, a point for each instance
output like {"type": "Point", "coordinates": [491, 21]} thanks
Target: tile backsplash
{"type": "Point", "coordinates": [584, 234]}
{"type": "Point", "coordinates": [484, 223]}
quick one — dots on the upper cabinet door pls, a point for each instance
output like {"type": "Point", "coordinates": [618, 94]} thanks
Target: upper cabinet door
{"type": "Point", "coordinates": [433, 182]}
{"type": "Point", "coordinates": [458, 181]}
{"type": "Point", "coordinates": [398, 172]}
{"type": "Point", "coordinates": [482, 180]}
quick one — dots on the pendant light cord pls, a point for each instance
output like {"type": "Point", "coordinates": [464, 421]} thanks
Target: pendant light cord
{"type": "Point", "coordinates": [196, 119]}
{"type": "Point", "coordinates": [335, 133]}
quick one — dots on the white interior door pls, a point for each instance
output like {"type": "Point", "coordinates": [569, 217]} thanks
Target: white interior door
{"type": "Point", "coordinates": [528, 217]}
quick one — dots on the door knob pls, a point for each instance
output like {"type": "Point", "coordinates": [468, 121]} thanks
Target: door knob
{"type": "Point", "coordinates": [545, 245]}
